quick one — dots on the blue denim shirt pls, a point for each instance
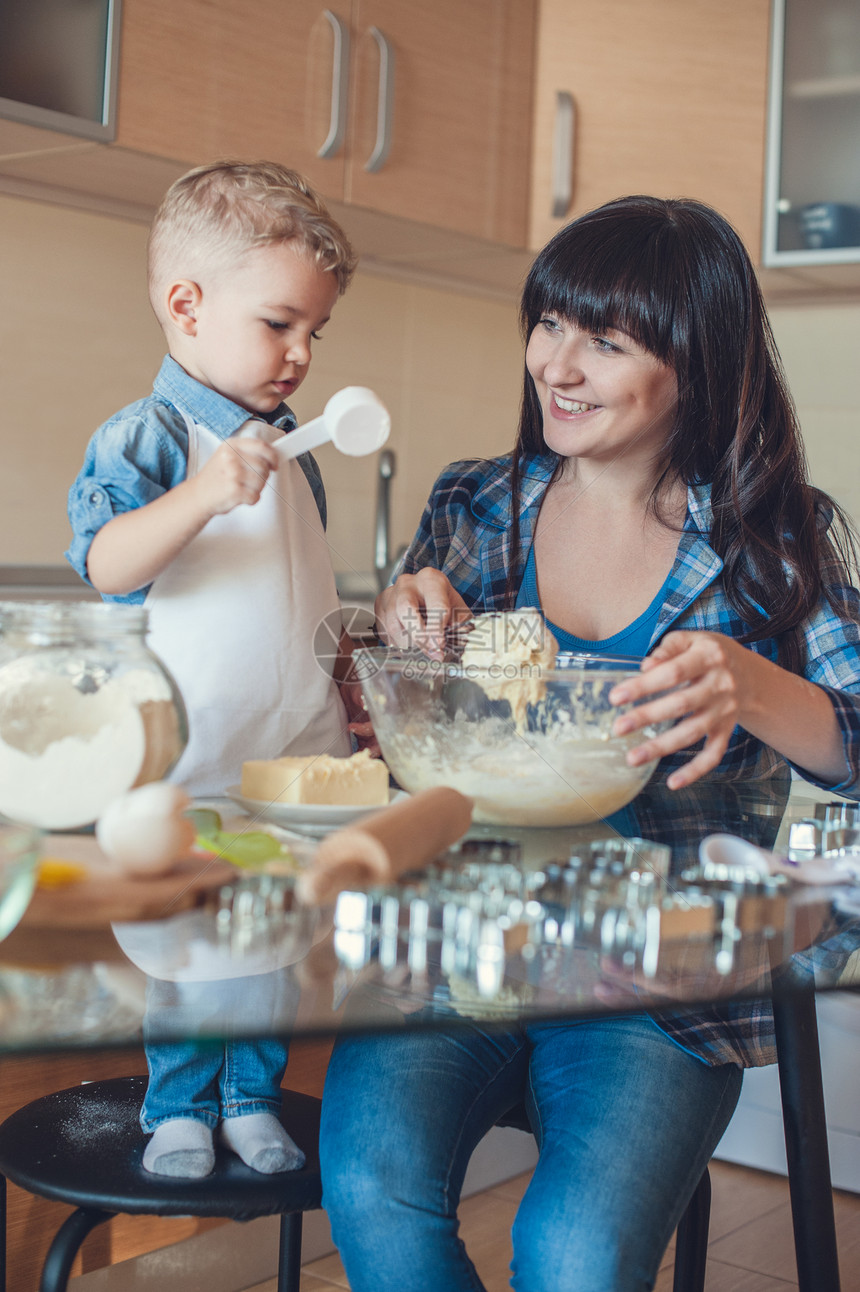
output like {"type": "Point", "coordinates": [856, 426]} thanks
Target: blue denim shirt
{"type": "Point", "coordinates": [142, 451]}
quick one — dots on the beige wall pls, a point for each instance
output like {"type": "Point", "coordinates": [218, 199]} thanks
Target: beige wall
{"type": "Point", "coordinates": [820, 347]}
{"type": "Point", "coordinates": [449, 369]}
{"type": "Point", "coordinates": [77, 341]}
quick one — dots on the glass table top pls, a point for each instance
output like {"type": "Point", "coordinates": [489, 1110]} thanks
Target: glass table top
{"type": "Point", "coordinates": [511, 925]}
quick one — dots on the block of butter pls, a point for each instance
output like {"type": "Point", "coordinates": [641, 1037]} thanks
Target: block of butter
{"type": "Point", "coordinates": [356, 781]}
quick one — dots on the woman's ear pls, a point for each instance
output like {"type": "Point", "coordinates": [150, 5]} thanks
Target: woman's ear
{"type": "Point", "coordinates": [183, 298]}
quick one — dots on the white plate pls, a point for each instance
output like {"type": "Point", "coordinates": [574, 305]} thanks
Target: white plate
{"type": "Point", "coordinates": [306, 818]}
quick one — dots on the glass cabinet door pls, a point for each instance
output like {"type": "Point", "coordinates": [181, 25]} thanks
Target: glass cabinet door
{"type": "Point", "coordinates": [812, 185]}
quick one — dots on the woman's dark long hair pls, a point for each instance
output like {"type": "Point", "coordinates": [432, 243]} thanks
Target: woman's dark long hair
{"type": "Point", "coordinates": [675, 276]}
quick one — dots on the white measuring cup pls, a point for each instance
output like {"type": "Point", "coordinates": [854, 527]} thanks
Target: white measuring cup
{"type": "Point", "coordinates": [354, 419]}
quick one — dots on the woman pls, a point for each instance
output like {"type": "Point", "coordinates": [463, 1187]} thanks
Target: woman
{"type": "Point", "coordinates": [655, 503]}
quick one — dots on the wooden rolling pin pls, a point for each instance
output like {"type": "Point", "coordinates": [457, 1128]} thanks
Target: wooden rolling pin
{"type": "Point", "coordinates": [378, 848]}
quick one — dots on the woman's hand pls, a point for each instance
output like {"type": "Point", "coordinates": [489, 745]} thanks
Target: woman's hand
{"type": "Point", "coordinates": [418, 610]}
{"type": "Point", "coordinates": [717, 681]}
{"type": "Point", "coordinates": [723, 685]}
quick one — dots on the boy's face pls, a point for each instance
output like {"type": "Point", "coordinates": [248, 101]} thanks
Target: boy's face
{"type": "Point", "coordinates": [254, 324]}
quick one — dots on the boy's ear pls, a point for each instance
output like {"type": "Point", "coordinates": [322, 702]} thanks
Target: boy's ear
{"type": "Point", "coordinates": [183, 298]}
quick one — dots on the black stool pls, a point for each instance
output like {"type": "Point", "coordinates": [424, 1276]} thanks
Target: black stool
{"type": "Point", "coordinates": [691, 1238]}
{"type": "Point", "coordinates": [84, 1146]}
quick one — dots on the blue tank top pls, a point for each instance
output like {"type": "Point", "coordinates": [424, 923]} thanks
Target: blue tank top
{"type": "Point", "coordinates": [633, 640]}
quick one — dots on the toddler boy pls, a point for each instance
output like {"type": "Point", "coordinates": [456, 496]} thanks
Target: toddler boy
{"type": "Point", "coordinates": [185, 504]}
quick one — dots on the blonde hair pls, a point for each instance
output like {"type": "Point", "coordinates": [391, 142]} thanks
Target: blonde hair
{"type": "Point", "coordinates": [213, 215]}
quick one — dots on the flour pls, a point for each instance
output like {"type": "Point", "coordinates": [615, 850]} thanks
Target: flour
{"type": "Point", "coordinates": [95, 1121]}
{"type": "Point", "coordinates": [66, 752]}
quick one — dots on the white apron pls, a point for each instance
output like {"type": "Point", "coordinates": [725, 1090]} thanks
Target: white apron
{"type": "Point", "coordinates": [233, 617]}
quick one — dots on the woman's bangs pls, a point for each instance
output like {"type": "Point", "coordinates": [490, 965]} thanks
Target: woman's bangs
{"type": "Point", "coordinates": [598, 292]}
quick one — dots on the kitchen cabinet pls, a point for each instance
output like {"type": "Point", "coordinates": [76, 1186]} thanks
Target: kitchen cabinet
{"type": "Point", "coordinates": [507, 118]}
{"type": "Point", "coordinates": [425, 107]}
{"type": "Point", "coordinates": [422, 114]}
{"type": "Point", "coordinates": [460, 118]}
{"type": "Point", "coordinates": [812, 195]}
{"type": "Point", "coordinates": [667, 98]}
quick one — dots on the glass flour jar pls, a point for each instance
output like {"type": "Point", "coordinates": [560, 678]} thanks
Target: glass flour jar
{"type": "Point", "coordinates": [87, 711]}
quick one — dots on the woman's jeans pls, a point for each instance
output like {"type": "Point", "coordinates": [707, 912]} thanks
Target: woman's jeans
{"type": "Point", "coordinates": [625, 1119]}
{"type": "Point", "coordinates": [232, 1076]}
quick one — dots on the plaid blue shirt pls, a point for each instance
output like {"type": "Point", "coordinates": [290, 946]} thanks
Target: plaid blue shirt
{"type": "Point", "coordinates": [465, 532]}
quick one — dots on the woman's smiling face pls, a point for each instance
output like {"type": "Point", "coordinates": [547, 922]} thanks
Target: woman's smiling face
{"type": "Point", "coordinates": [601, 394]}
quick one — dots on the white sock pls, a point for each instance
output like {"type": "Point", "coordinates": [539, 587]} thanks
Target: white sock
{"type": "Point", "coordinates": [261, 1142]}
{"type": "Point", "coordinates": [180, 1147]}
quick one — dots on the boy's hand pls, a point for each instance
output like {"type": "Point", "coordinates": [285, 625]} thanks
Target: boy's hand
{"type": "Point", "coordinates": [136, 546]}
{"type": "Point", "coordinates": [236, 473]}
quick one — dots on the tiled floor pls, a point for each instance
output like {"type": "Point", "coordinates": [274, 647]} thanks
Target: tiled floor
{"type": "Point", "coordinates": [751, 1244]}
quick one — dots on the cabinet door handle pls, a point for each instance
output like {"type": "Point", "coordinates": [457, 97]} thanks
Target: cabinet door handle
{"type": "Point", "coordinates": [339, 86]}
{"type": "Point", "coordinates": [384, 102]}
{"type": "Point", "coordinates": [562, 154]}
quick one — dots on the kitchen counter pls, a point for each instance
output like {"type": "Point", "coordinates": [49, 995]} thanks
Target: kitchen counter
{"type": "Point", "coordinates": [43, 583]}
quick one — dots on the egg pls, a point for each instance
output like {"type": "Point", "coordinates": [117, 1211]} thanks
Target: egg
{"type": "Point", "coordinates": [145, 831]}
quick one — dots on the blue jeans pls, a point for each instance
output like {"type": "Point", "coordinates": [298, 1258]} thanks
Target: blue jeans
{"type": "Point", "coordinates": [626, 1122]}
{"type": "Point", "coordinates": [208, 1080]}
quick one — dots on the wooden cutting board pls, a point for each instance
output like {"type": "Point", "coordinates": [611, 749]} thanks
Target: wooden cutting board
{"type": "Point", "coordinates": [103, 897]}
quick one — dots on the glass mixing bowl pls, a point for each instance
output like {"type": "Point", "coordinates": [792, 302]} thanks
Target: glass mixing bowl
{"type": "Point", "coordinates": [530, 747]}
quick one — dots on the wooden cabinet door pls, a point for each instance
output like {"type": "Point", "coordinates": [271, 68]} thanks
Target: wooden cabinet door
{"type": "Point", "coordinates": [459, 155]}
{"type": "Point", "coordinates": [207, 79]}
{"type": "Point", "coordinates": [204, 79]}
{"type": "Point", "coordinates": [670, 99]}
